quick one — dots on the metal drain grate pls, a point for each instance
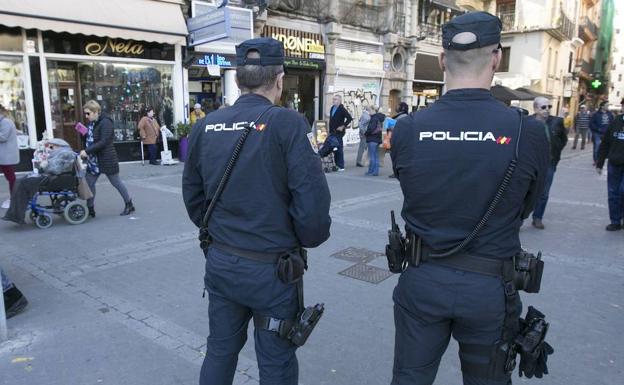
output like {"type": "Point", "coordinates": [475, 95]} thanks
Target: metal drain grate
{"type": "Point", "coordinates": [366, 273]}
{"type": "Point", "coordinates": [357, 255]}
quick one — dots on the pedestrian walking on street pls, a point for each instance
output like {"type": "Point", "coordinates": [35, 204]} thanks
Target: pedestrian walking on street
{"type": "Point", "coordinates": [402, 112]}
{"type": "Point", "coordinates": [581, 126]}
{"type": "Point", "coordinates": [9, 151]}
{"type": "Point", "coordinates": [362, 127]}
{"type": "Point", "coordinates": [598, 125]}
{"type": "Point", "coordinates": [455, 284]}
{"type": "Point", "coordinates": [276, 202]}
{"type": "Point", "coordinates": [373, 140]}
{"type": "Point", "coordinates": [14, 301]}
{"type": "Point", "coordinates": [149, 130]}
{"type": "Point", "coordinates": [101, 156]}
{"type": "Point", "coordinates": [612, 148]}
{"type": "Point", "coordinates": [338, 121]}
{"type": "Point", "coordinates": [558, 138]}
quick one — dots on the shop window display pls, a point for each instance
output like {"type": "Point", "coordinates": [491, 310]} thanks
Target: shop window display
{"type": "Point", "coordinates": [122, 89]}
{"type": "Point", "coordinates": [12, 90]}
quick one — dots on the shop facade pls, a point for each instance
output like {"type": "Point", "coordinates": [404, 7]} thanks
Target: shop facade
{"type": "Point", "coordinates": [123, 76]}
{"type": "Point", "coordinates": [50, 65]}
{"type": "Point", "coordinates": [305, 65]}
{"type": "Point", "coordinates": [428, 81]}
{"type": "Point", "coordinates": [209, 76]}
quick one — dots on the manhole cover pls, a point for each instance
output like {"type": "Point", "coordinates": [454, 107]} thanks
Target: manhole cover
{"type": "Point", "coordinates": [357, 255]}
{"type": "Point", "coordinates": [366, 273]}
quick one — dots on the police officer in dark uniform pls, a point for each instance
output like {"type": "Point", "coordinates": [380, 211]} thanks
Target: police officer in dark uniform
{"type": "Point", "coordinates": [450, 160]}
{"type": "Point", "coordinates": [275, 201]}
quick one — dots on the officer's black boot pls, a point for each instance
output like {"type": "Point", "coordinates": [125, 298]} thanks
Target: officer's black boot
{"type": "Point", "coordinates": [92, 212]}
{"type": "Point", "coordinates": [128, 209]}
{"type": "Point", "coordinates": [14, 302]}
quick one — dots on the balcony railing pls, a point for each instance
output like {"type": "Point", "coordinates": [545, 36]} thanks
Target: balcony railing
{"type": "Point", "coordinates": [563, 28]}
{"type": "Point", "coordinates": [588, 29]}
{"type": "Point", "coordinates": [509, 20]}
{"type": "Point", "coordinates": [586, 67]}
{"type": "Point", "coordinates": [432, 33]}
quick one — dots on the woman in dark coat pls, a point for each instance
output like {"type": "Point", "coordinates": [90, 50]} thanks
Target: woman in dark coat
{"type": "Point", "coordinates": [101, 155]}
{"type": "Point", "coordinates": [373, 140]}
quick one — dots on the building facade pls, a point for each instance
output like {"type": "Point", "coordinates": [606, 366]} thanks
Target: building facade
{"type": "Point", "coordinates": [589, 19]}
{"type": "Point", "coordinates": [54, 56]}
{"type": "Point", "coordinates": [616, 86]}
{"type": "Point", "coordinates": [539, 42]}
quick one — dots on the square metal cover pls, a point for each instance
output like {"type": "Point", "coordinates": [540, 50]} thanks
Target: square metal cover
{"type": "Point", "coordinates": [357, 255]}
{"type": "Point", "coordinates": [366, 273]}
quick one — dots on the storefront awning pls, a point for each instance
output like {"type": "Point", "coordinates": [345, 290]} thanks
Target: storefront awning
{"type": "Point", "coordinates": [532, 93]}
{"type": "Point", "coordinates": [144, 20]}
{"type": "Point", "coordinates": [506, 94]}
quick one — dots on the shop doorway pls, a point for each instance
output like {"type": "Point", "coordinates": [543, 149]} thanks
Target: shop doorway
{"type": "Point", "coordinates": [65, 103]}
{"type": "Point", "coordinates": [393, 101]}
{"type": "Point", "coordinates": [425, 94]}
{"type": "Point", "coordinates": [299, 93]}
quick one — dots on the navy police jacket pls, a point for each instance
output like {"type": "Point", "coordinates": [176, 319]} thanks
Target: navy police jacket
{"type": "Point", "coordinates": [277, 197]}
{"type": "Point", "coordinates": [450, 160]}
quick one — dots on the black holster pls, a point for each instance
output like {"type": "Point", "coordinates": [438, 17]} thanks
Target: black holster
{"type": "Point", "coordinates": [204, 239]}
{"type": "Point", "coordinates": [398, 249]}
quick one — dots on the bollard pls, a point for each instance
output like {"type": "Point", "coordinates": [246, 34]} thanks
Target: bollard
{"type": "Point", "coordinates": [3, 324]}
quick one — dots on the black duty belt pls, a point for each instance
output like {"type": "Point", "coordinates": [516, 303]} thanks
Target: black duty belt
{"type": "Point", "coordinates": [255, 255]}
{"type": "Point", "coordinates": [461, 261]}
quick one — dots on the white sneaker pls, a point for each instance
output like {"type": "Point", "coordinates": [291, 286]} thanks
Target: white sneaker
{"type": "Point", "coordinates": [6, 204]}
{"type": "Point", "coordinates": [341, 169]}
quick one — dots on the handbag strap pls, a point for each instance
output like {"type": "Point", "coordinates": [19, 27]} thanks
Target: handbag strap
{"type": "Point", "coordinates": [228, 171]}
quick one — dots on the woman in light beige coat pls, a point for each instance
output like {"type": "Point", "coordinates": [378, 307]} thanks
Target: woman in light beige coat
{"type": "Point", "coordinates": [149, 130]}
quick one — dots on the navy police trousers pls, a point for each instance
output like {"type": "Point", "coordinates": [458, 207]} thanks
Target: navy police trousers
{"type": "Point", "coordinates": [431, 303]}
{"type": "Point", "coordinates": [238, 288]}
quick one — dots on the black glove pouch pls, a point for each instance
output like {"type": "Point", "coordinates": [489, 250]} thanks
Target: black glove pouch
{"type": "Point", "coordinates": [291, 266]}
{"type": "Point", "coordinates": [530, 343]}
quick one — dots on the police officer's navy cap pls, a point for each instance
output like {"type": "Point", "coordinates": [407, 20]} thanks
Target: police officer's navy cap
{"type": "Point", "coordinates": [271, 52]}
{"type": "Point", "coordinates": [485, 26]}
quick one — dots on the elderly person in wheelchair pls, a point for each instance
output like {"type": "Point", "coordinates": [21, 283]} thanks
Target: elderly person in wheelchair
{"type": "Point", "coordinates": [61, 159]}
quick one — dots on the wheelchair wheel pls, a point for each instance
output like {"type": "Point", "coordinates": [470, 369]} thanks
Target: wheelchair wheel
{"type": "Point", "coordinates": [43, 220]}
{"type": "Point", "coordinates": [31, 216]}
{"type": "Point", "coordinates": [75, 212]}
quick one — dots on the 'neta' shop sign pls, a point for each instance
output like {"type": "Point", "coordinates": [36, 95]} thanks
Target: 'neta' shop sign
{"type": "Point", "coordinates": [114, 47]}
{"type": "Point", "coordinates": [298, 44]}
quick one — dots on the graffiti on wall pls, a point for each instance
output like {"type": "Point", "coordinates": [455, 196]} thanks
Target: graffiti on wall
{"type": "Point", "coordinates": [355, 100]}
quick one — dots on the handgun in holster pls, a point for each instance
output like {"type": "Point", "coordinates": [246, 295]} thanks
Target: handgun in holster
{"type": "Point", "coordinates": [305, 324]}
